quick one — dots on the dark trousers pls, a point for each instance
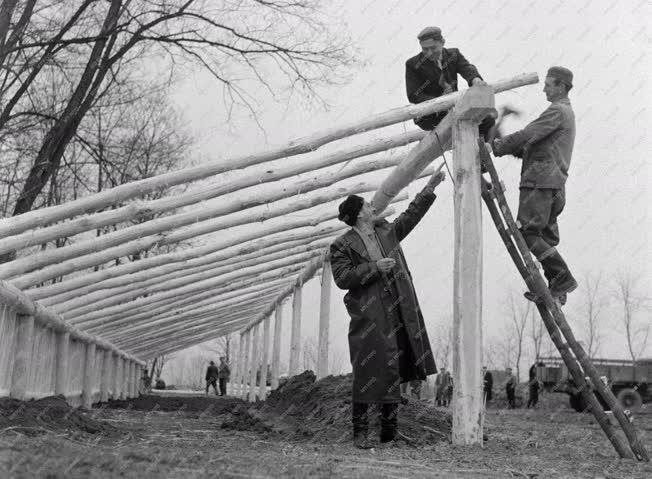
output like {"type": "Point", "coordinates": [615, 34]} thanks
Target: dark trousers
{"type": "Point", "coordinates": [211, 382]}
{"type": "Point", "coordinates": [538, 209]}
{"type": "Point", "coordinates": [430, 122]}
{"type": "Point", "coordinates": [222, 386]}
{"type": "Point", "coordinates": [388, 419]}
{"type": "Point", "coordinates": [534, 396]}
{"type": "Point", "coordinates": [511, 397]}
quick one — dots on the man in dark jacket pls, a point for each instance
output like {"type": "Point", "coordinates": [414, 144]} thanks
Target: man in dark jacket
{"type": "Point", "coordinates": [433, 73]}
{"type": "Point", "coordinates": [533, 387]}
{"type": "Point", "coordinates": [488, 384]}
{"type": "Point", "coordinates": [546, 146]}
{"type": "Point", "coordinates": [510, 388]}
{"type": "Point", "coordinates": [223, 375]}
{"type": "Point", "coordinates": [388, 342]}
{"type": "Point", "coordinates": [211, 377]}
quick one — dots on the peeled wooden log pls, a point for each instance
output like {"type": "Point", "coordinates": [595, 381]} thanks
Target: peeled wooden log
{"type": "Point", "coordinates": [141, 282]}
{"type": "Point", "coordinates": [118, 322]}
{"type": "Point", "coordinates": [155, 229]}
{"type": "Point", "coordinates": [139, 209]}
{"type": "Point", "coordinates": [431, 147]}
{"type": "Point", "coordinates": [32, 219]}
{"type": "Point", "coordinates": [13, 297]}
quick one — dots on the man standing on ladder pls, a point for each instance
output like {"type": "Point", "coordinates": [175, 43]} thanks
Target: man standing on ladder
{"type": "Point", "coordinates": [433, 73]}
{"type": "Point", "coordinates": [546, 146]}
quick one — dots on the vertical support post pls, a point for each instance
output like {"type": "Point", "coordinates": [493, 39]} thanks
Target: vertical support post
{"type": "Point", "coordinates": [276, 348]}
{"type": "Point", "coordinates": [61, 363]}
{"type": "Point", "coordinates": [324, 320]}
{"type": "Point", "coordinates": [295, 340]}
{"type": "Point", "coordinates": [137, 381]}
{"type": "Point", "coordinates": [23, 357]}
{"type": "Point", "coordinates": [264, 360]}
{"type": "Point", "coordinates": [475, 104]}
{"type": "Point", "coordinates": [89, 368]}
{"type": "Point", "coordinates": [115, 365]}
{"type": "Point", "coordinates": [106, 376]}
{"type": "Point", "coordinates": [254, 362]}
{"type": "Point", "coordinates": [132, 379]}
{"type": "Point", "coordinates": [246, 365]}
{"type": "Point", "coordinates": [123, 378]}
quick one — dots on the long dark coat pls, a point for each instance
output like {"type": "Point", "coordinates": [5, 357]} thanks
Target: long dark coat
{"type": "Point", "coordinates": [377, 304]}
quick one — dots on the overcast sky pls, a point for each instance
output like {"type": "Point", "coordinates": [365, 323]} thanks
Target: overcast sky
{"type": "Point", "coordinates": [606, 224]}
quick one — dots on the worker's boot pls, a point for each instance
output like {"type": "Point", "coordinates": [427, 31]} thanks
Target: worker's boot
{"type": "Point", "coordinates": [360, 420]}
{"type": "Point", "coordinates": [389, 425]}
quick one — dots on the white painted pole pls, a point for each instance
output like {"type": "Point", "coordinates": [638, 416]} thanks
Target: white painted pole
{"type": "Point", "coordinates": [123, 378]}
{"type": "Point", "coordinates": [89, 369]}
{"type": "Point", "coordinates": [295, 340]}
{"type": "Point", "coordinates": [276, 349]}
{"type": "Point", "coordinates": [106, 376]}
{"type": "Point", "coordinates": [23, 358]}
{"type": "Point", "coordinates": [324, 320]}
{"type": "Point", "coordinates": [476, 104]}
{"type": "Point", "coordinates": [61, 363]}
{"type": "Point", "coordinates": [115, 366]}
{"type": "Point", "coordinates": [262, 390]}
{"type": "Point", "coordinates": [255, 363]}
{"type": "Point", "coordinates": [247, 365]}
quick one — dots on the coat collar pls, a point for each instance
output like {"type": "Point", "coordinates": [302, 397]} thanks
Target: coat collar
{"type": "Point", "coordinates": [355, 241]}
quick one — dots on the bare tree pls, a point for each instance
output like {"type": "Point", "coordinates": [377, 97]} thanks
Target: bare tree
{"type": "Point", "coordinates": [593, 305]}
{"type": "Point", "coordinates": [443, 342]}
{"type": "Point", "coordinates": [519, 312]}
{"type": "Point", "coordinates": [632, 302]}
{"type": "Point", "coordinates": [86, 45]}
{"type": "Point", "coordinates": [220, 346]}
{"type": "Point", "coordinates": [309, 351]}
{"type": "Point", "coordinates": [537, 333]}
{"type": "Point", "coordinates": [158, 363]}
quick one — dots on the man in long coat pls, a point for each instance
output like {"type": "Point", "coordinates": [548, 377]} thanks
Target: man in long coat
{"type": "Point", "coordinates": [388, 342]}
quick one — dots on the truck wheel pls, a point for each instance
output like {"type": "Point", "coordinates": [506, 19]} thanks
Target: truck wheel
{"type": "Point", "coordinates": [577, 402]}
{"type": "Point", "coordinates": [630, 399]}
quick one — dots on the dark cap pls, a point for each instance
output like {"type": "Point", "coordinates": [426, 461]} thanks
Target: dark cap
{"type": "Point", "coordinates": [433, 33]}
{"type": "Point", "coordinates": [350, 208]}
{"type": "Point", "coordinates": [562, 74]}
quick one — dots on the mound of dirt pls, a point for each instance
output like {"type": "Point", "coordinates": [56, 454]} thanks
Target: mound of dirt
{"type": "Point", "coordinates": [50, 414]}
{"type": "Point", "coordinates": [203, 405]}
{"type": "Point", "coordinates": [304, 407]}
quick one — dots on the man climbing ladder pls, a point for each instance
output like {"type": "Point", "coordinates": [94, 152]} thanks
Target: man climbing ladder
{"type": "Point", "coordinates": [546, 146]}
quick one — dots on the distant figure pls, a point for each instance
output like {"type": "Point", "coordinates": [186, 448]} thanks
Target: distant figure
{"type": "Point", "coordinates": [533, 387]}
{"type": "Point", "coordinates": [146, 381]}
{"type": "Point", "coordinates": [223, 374]}
{"type": "Point", "coordinates": [510, 388]}
{"type": "Point", "coordinates": [212, 374]}
{"type": "Point", "coordinates": [449, 391]}
{"type": "Point", "coordinates": [442, 381]}
{"type": "Point", "coordinates": [488, 384]}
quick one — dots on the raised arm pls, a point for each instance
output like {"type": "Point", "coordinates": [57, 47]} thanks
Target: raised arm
{"type": "Point", "coordinates": [467, 70]}
{"type": "Point", "coordinates": [421, 203]}
{"type": "Point", "coordinates": [548, 122]}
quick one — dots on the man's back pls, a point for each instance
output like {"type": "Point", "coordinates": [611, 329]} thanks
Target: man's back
{"type": "Point", "coordinates": [212, 372]}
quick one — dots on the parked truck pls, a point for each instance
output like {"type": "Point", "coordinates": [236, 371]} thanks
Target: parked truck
{"type": "Point", "coordinates": [631, 382]}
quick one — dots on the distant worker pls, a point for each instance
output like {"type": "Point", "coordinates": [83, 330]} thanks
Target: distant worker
{"type": "Point", "coordinates": [433, 73]}
{"type": "Point", "coordinates": [212, 374]}
{"type": "Point", "coordinates": [546, 146]}
{"type": "Point", "coordinates": [223, 374]}
{"type": "Point", "coordinates": [510, 388]}
{"type": "Point", "coordinates": [441, 387]}
{"type": "Point", "coordinates": [388, 342]}
{"type": "Point", "coordinates": [487, 384]}
{"type": "Point", "coordinates": [533, 387]}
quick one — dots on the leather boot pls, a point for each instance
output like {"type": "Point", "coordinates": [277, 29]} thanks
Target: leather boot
{"type": "Point", "coordinates": [360, 419]}
{"type": "Point", "coordinates": [388, 422]}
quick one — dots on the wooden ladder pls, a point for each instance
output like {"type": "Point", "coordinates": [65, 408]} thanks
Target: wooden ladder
{"type": "Point", "coordinates": [584, 374]}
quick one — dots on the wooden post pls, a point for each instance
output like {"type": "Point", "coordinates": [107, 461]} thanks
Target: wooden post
{"type": "Point", "coordinates": [123, 378]}
{"type": "Point", "coordinates": [295, 341]}
{"type": "Point", "coordinates": [61, 363]}
{"type": "Point", "coordinates": [115, 366]}
{"type": "Point", "coordinates": [105, 376]}
{"type": "Point", "coordinates": [254, 362]}
{"type": "Point", "coordinates": [276, 348]}
{"type": "Point", "coordinates": [264, 360]}
{"type": "Point", "coordinates": [246, 365]}
{"type": "Point", "coordinates": [23, 356]}
{"type": "Point", "coordinates": [324, 320]}
{"type": "Point", "coordinates": [475, 104]}
{"type": "Point", "coordinates": [89, 368]}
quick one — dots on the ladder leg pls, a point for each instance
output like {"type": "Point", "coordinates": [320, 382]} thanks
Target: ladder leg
{"type": "Point", "coordinates": [572, 365]}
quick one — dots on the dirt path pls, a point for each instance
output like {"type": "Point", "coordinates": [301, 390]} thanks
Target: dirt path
{"type": "Point", "coordinates": [211, 437]}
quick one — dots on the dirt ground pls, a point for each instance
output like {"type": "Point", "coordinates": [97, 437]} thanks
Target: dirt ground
{"type": "Point", "coordinates": [302, 430]}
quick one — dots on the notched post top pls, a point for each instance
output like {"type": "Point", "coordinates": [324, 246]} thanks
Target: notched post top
{"type": "Point", "coordinates": [475, 104]}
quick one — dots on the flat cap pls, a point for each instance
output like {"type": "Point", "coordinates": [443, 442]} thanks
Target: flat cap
{"type": "Point", "coordinates": [433, 33]}
{"type": "Point", "coordinates": [350, 208]}
{"type": "Point", "coordinates": [562, 74]}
